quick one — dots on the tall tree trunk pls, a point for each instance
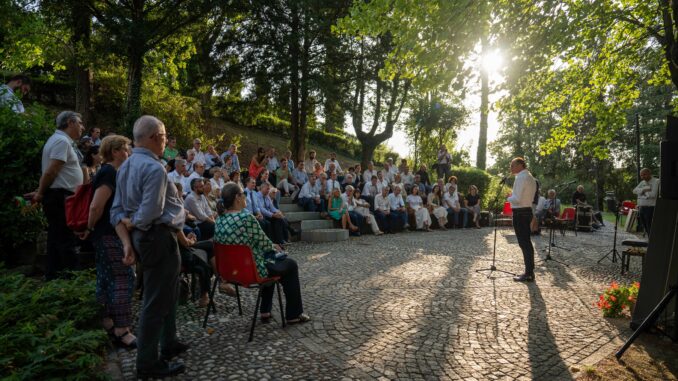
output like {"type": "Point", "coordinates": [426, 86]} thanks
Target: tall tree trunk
{"type": "Point", "coordinates": [304, 107]}
{"type": "Point", "coordinates": [297, 146]}
{"type": "Point", "coordinates": [134, 78]}
{"type": "Point", "coordinates": [481, 155]}
{"type": "Point", "coordinates": [82, 30]}
{"type": "Point", "coordinates": [367, 148]}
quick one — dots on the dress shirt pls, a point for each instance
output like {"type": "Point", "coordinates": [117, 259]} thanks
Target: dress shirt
{"type": "Point", "coordinates": [212, 160]}
{"type": "Point", "coordinates": [401, 186]}
{"type": "Point", "coordinates": [266, 205]}
{"type": "Point", "coordinates": [144, 194]}
{"type": "Point", "coordinates": [217, 184]}
{"type": "Point", "coordinates": [200, 157]}
{"type": "Point", "coordinates": [382, 203]}
{"type": "Point", "coordinates": [331, 184]}
{"type": "Point", "coordinates": [395, 202]}
{"type": "Point", "coordinates": [407, 178]}
{"type": "Point", "coordinates": [272, 164]}
{"type": "Point", "coordinates": [186, 182]}
{"type": "Point", "coordinates": [552, 205]}
{"type": "Point", "coordinates": [290, 165]}
{"type": "Point", "coordinates": [371, 190]}
{"type": "Point", "coordinates": [367, 175]}
{"type": "Point", "coordinates": [252, 204]}
{"type": "Point", "coordinates": [198, 206]}
{"type": "Point", "coordinates": [234, 159]}
{"type": "Point", "coordinates": [540, 204]}
{"type": "Point", "coordinates": [61, 147]}
{"type": "Point", "coordinates": [310, 191]}
{"type": "Point", "coordinates": [336, 165]}
{"type": "Point", "coordinates": [523, 190]}
{"type": "Point", "coordinates": [649, 198]}
{"type": "Point", "coordinates": [301, 177]}
{"type": "Point", "coordinates": [176, 177]}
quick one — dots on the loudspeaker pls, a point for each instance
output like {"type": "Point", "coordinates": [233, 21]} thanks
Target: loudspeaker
{"type": "Point", "coordinates": [484, 219]}
{"type": "Point", "coordinates": [668, 181]}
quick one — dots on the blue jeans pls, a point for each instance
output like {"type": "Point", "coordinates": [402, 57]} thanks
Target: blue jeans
{"type": "Point", "coordinates": [383, 220]}
{"type": "Point", "coordinates": [398, 217]}
{"type": "Point", "coordinates": [521, 225]}
{"type": "Point", "coordinates": [455, 216]}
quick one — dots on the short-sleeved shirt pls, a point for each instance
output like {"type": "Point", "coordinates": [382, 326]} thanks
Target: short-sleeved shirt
{"type": "Point", "coordinates": [59, 146]}
{"type": "Point", "coordinates": [472, 200]}
{"type": "Point", "coordinates": [105, 177]}
{"type": "Point", "coordinates": [170, 153]}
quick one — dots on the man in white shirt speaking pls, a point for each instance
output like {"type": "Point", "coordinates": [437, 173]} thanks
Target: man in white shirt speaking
{"type": "Point", "coordinates": [521, 198]}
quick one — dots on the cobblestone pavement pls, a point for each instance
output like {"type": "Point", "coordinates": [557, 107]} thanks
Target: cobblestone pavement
{"type": "Point", "coordinates": [412, 306]}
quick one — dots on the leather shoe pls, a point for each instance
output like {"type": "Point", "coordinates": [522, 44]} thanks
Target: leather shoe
{"type": "Point", "coordinates": [524, 278]}
{"type": "Point", "coordinates": [162, 370]}
{"type": "Point", "coordinates": [173, 351]}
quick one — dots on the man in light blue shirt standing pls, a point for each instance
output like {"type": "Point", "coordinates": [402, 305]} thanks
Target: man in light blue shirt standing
{"type": "Point", "coordinates": [147, 213]}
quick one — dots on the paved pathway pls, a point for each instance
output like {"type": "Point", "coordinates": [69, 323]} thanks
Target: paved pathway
{"type": "Point", "coordinates": [412, 307]}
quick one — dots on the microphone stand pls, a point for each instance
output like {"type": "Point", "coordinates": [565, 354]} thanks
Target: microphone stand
{"type": "Point", "coordinates": [493, 267]}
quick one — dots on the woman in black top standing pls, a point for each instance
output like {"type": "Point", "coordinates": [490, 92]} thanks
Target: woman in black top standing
{"type": "Point", "coordinates": [115, 281]}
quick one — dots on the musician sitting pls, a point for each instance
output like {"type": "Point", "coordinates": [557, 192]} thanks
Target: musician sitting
{"type": "Point", "coordinates": [579, 199]}
{"type": "Point", "coordinates": [551, 206]}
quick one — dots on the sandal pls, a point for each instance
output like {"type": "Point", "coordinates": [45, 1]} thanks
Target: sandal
{"type": "Point", "coordinates": [303, 318]}
{"type": "Point", "coordinates": [119, 341]}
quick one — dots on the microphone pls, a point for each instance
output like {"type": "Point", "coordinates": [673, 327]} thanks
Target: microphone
{"type": "Point", "coordinates": [503, 180]}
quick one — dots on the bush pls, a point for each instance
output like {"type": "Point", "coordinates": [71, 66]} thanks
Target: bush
{"type": "Point", "coordinates": [47, 330]}
{"type": "Point", "coordinates": [21, 139]}
{"type": "Point", "coordinates": [468, 176]}
{"type": "Point", "coordinates": [617, 300]}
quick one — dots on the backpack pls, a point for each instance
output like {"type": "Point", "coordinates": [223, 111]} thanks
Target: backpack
{"type": "Point", "coordinates": [77, 207]}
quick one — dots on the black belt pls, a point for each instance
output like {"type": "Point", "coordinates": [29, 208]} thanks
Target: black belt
{"type": "Point", "coordinates": [522, 209]}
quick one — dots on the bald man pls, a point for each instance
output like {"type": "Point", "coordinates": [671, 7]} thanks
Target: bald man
{"type": "Point", "coordinates": [647, 191]}
{"type": "Point", "coordinates": [147, 213]}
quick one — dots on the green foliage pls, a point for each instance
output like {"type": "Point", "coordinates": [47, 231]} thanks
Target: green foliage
{"type": "Point", "coordinates": [467, 176]}
{"type": "Point", "coordinates": [47, 330]}
{"type": "Point", "coordinates": [618, 300]}
{"type": "Point", "coordinates": [21, 139]}
{"type": "Point", "coordinates": [489, 199]}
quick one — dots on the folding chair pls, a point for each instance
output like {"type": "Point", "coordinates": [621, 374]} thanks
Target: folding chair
{"type": "Point", "coordinates": [568, 219]}
{"type": "Point", "coordinates": [235, 264]}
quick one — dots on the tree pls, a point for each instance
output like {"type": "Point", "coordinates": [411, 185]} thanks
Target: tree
{"type": "Point", "coordinates": [137, 26]}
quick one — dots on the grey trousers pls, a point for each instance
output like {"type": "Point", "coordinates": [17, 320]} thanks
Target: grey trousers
{"type": "Point", "coordinates": [158, 254]}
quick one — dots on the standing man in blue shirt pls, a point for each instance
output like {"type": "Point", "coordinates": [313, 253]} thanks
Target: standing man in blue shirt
{"type": "Point", "coordinates": [147, 213]}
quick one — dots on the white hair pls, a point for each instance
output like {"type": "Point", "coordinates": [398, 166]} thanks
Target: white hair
{"type": "Point", "coordinates": [146, 126]}
{"type": "Point", "coordinates": [64, 117]}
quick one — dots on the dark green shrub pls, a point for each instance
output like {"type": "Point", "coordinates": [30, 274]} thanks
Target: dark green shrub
{"type": "Point", "coordinates": [468, 176]}
{"type": "Point", "coordinates": [48, 330]}
{"type": "Point", "coordinates": [21, 139]}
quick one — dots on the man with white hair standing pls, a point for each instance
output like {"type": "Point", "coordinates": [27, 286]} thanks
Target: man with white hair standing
{"type": "Point", "coordinates": [147, 213]}
{"type": "Point", "coordinates": [61, 175]}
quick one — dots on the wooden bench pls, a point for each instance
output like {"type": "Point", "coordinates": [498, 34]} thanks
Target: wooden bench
{"type": "Point", "coordinates": [633, 248]}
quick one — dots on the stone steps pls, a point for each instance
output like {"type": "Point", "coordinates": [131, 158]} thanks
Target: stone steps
{"type": "Point", "coordinates": [324, 235]}
{"type": "Point", "coordinates": [289, 208]}
{"type": "Point", "coordinates": [313, 228]}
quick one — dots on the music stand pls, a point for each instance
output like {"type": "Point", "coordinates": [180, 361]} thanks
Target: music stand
{"type": "Point", "coordinates": [493, 267]}
{"type": "Point", "coordinates": [613, 206]}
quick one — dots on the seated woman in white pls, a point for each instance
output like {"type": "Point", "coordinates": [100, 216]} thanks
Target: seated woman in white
{"type": "Point", "coordinates": [362, 207]}
{"type": "Point", "coordinates": [415, 205]}
{"type": "Point", "coordinates": [435, 204]}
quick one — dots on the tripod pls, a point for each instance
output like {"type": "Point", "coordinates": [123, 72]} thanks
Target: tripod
{"type": "Point", "coordinates": [650, 319]}
{"type": "Point", "coordinates": [614, 252]}
{"type": "Point", "coordinates": [552, 243]}
{"type": "Point", "coordinates": [493, 267]}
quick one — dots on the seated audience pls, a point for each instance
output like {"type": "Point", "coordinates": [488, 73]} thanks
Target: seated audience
{"type": "Point", "coordinates": [217, 180]}
{"type": "Point", "coordinates": [299, 175]}
{"type": "Point", "coordinates": [331, 183]}
{"type": "Point", "coordinates": [363, 208]}
{"type": "Point", "coordinates": [369, 172]}
{"type": "Point", "coordinates": [333, 160]}
{"type": "Point", "coordinates": [381, 180]}
{"type": "Point", "coordinates": [280, 227]}
{"type": "Point", "coordinates": [211, 194]}
{"type": "Point", "coordinates": [397, 204]}
{"type": "Point", "coordinates": [371, 190]}
{"type": "Point", "coordinates": [290, 162]}
{"type": "Point", "coordinates": [318, 170]}
{"type": "Point", "coordinates": [258, 163]}
{"type": "Point", "coordinates": [199, 155]}
{"type": "Point", "coordinates": [236, 178]}
{"type": "Point", "coordinates": [285, 182]}
{"type": "Point", "coordinates": [229, 225]}
{"type": "Point", "coordinates": [338, 211]}
{"type": "Point", "coordinates": [229, 165]}
{"type": "Point", "coordinates": [382, 210]}
{"type": "Point", "coordinates": [253, 207]}
{"type": "Point", "coordinates": [170, 152]}
{"type": "Point", "coordinates": [397, 182]}
{"type": "Point", "coordinates": [551, 205]}
{"type": "Point", "coordinates": [198, 173]}
{"type": "Point", "coordinates": [415, 206]}
{"type": "Point", "coordinates": [424, 177]}
{"type": "Point", "coordinates": [453, 206]}
{"type": "Point", "coordinates": [472, 203]}
{"type": "Point", "coordinates": [233, 155]}
{"type": "Point", "coordinates": [196, 204]}
{"type": "Point", "coordinates": [309, 164]}
{"type": "Point", "coordinates": [309, 196]}
{"type": "Point", "coordinates": [435, 204]}
{"type": "Point", "coordinates": [212, 158]}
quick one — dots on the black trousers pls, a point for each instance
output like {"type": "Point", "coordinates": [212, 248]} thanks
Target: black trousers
{"type": "Point", "coordinates": [61, 242]}
{"type": "Point", "coordinates": [158, 254]}
{"type": "Point", "coordinates": [279, 229]}
{"type": "Point", "coordinates": [288, 271]}
{"type": "Point", "coordinates": [521, 225]}
{"type": "Point", "coordinates": [645, 213]}
{"type": "Point", "coordinates": [206, 230]}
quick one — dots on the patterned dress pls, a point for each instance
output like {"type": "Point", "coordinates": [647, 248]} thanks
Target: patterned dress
{"type": "Point", "coordinates": [242, 228]}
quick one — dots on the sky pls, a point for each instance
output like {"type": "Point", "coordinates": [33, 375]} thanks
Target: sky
{"type": "Point", "coordinates": [467, 138]}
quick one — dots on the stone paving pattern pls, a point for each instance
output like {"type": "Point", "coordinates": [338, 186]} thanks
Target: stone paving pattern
{"type": "Point", "coordinates": [411, 306]}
